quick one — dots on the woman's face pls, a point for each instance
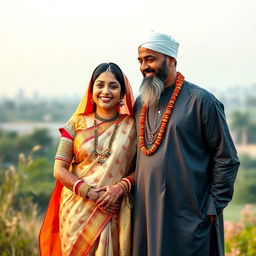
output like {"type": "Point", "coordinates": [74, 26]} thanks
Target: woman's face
{"type": "Point", "coordinates": [106, 92]}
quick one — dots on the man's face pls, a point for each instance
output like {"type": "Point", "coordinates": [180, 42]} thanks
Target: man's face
{"type": "Point", "coordinates": [153, 64]}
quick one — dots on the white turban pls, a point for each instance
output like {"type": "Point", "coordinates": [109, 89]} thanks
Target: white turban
{"type": "Point", "coordinates": [160, 42]}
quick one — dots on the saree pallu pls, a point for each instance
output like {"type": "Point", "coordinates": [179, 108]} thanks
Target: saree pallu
{"type": "Point", "coordinates": [84, 229]}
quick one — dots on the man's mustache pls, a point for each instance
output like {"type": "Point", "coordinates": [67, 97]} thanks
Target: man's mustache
{"type": "Point", "coordinates": [149, 70]}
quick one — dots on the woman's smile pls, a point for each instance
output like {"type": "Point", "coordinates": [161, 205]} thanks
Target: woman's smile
{"type": "Point", "coordinates": [105, 99]}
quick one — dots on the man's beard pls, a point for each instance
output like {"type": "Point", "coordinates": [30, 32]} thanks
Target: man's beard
{"type": "Point", "coordinates": [152, 87]}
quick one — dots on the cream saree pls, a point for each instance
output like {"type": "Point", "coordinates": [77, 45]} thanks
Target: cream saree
{"type": "Point", "coordinates": [84, 229]}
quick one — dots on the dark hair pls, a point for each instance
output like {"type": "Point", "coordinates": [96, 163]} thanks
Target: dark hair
{"type": "Point", "coordinates": [114, 69]}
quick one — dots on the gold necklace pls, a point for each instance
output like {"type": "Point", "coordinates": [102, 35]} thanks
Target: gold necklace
{"type": "Point", "coordinates": [104, 155]}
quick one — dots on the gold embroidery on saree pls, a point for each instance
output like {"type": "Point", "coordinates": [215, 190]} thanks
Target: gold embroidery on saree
{"type": "Point", "coordinates": [65, 150]}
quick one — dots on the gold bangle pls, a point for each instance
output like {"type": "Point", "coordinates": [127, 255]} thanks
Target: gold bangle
{"type": "Point", "coordinates": [127, 183]}
{"type": "Point", "coordinates": [123, 186]}
{"type": "Point", "coordinates": [83, 190]}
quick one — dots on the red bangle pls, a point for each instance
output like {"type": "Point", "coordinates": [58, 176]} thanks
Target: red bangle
{"type": "Point", "coordinates": [131, 179]}
{"type": "Point", "coordinates": [78, 185]}
{"type": "Point", "coordinates": [126, 181]}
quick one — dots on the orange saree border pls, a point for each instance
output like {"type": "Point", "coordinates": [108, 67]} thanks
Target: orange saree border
{"type": "Point", "coordinates": [93, 228]}
{"type": "Point", "coordinates": [49, 240]}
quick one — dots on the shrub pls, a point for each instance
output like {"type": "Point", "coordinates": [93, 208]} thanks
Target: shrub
{"type": "Point", "coordinates": [240, 237]}
{"type": "Point", "coordinates": [18, 217]}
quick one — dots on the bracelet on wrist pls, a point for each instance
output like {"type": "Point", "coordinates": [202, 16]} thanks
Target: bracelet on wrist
{"type": "Point", "coordinates": [83, 190]}
{"type": "Point", "coordinates": [124, 187]}
{"type": "Point", "coordinates": [76, 185]}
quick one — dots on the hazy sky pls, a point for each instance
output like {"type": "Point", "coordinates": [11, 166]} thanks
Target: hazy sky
{"type": "Point", "coordinates": [52, 46]}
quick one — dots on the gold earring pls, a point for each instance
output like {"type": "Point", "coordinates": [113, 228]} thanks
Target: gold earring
{"type": "Point", "coordinates": [121, 102]}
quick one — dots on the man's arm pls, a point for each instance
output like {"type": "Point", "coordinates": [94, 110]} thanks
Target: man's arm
{"type": "Point", "coordinates": [224, 161]}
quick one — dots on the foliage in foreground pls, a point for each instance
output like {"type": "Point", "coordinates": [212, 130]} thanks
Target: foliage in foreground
{"type": "Point", "coordinates": [18, 216]}
{"type": "Point", "coordinates": [240, 237]}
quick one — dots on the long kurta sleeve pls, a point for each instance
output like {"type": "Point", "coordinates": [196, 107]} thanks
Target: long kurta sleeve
{"type": "Point", "coordinates": [224, 161]}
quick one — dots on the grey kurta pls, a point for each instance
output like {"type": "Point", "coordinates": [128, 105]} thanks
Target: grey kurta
{"type": "Point", "coordinates": [189, 177]}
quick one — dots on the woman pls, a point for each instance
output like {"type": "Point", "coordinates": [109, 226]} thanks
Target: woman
{"type": "Point", "coordinates": [89, 213]}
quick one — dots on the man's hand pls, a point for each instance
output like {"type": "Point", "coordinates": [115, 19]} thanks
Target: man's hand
{"type": "Point", "coordinates": [212, 218]}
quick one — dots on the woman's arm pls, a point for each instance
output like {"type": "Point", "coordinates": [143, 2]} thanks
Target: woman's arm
{"type": "Point", "coordinates": [68, 179]}
{"type": "Point", "coordinates": [61, 173]}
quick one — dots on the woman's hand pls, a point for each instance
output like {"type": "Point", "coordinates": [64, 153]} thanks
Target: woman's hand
{"type": "Point", "coordinates": [92, 194]}
{"type": "Point", "coordinates": [111, 195]}
{"type": "Point", "coordinates": [113, 208]}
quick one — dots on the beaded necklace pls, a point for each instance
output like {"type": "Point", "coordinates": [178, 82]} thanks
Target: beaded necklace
{"type": "Point", "coordinates": [105, 119]}
{"type": "Point", "coordinates": [165, 119]}
{"type": "Point", "coordinates": [103, 156]}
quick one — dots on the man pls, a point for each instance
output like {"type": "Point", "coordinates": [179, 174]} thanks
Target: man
{"type": "Point", "coordinates": [186, 161]}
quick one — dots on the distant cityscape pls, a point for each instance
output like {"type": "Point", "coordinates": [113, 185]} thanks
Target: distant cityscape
{"type": "Point", "coordinates": [233, 98]}
{"type": "Point", "coordinates": [22, 96]}
{"type": "Point", "coordinates": [23, 114]}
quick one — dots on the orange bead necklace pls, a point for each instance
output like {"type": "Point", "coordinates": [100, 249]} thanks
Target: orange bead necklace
{"type": "Point", "coordinates": [165, 119]}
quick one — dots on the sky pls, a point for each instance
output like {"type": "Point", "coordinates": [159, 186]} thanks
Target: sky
{"type": "Point", "coordinates": [52, 46]}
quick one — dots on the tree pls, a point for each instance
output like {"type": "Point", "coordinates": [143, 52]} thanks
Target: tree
{"type": "Point", "coordinates": [239, 123]}
{"type": "Point", "coordinates": [11, 145]}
